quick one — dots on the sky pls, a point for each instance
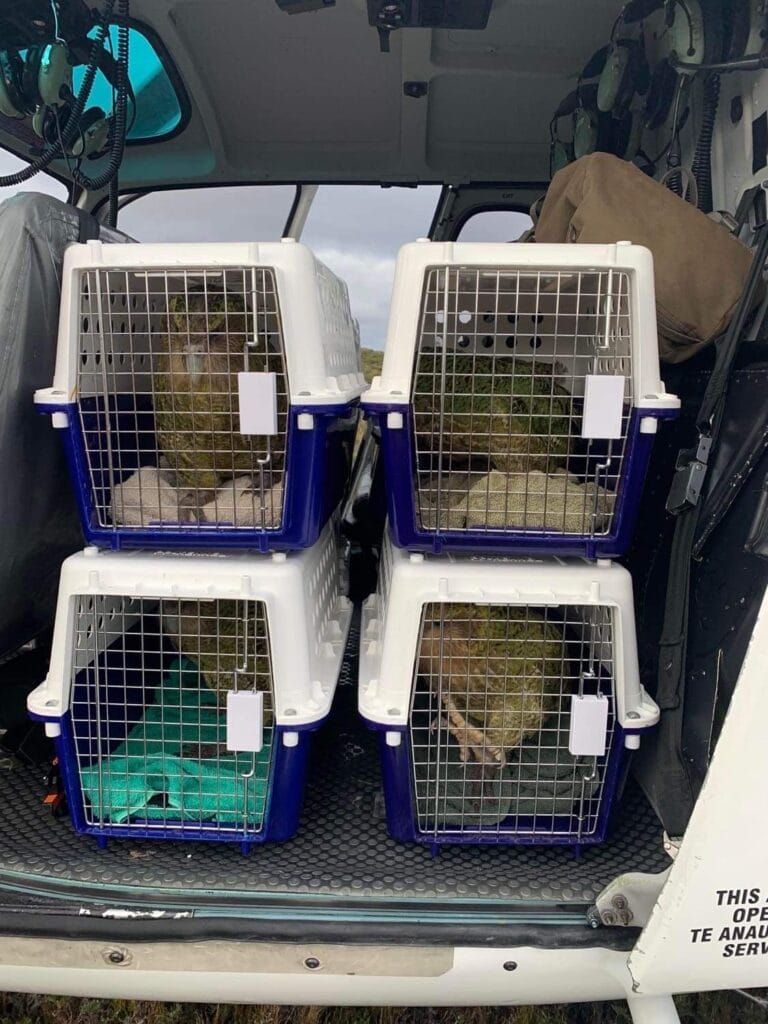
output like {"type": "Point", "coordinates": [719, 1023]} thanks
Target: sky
{"type": "Point", "coordinates": [356, 230]}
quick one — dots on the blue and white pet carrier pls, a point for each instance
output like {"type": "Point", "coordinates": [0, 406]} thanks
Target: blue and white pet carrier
{"type": "Point", "coordinates": [519, 397]}
{"type": "Point", "coordinates": [183, 689]}
{"type": "Point", "coordinates": [207, 393]}
{"type": "Point", "coordinates": [505, 693]}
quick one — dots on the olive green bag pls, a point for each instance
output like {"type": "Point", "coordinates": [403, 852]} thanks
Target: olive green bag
{"type": "Point", "coordinates": [700, 267]}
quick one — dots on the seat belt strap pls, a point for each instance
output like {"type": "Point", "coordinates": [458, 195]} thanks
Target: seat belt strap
{"type": "Point", "coordinates": [89, 227]}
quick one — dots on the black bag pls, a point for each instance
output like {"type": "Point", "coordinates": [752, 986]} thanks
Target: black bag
{"type": "Point", "coordinates": [37, 510]}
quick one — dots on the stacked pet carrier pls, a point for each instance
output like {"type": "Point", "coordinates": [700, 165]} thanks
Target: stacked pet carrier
{"type": "Point", "coordinates": [207, 396]}
{"type": "Point", "coordinates": [518, 401]}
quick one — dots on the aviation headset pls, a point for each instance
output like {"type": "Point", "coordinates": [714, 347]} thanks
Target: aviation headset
{"type": "Point", "coordinates": [601, 107]}
{"type": "Point", "coordinates": [39, 85]}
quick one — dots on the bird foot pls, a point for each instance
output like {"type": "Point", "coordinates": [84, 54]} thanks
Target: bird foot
{"type": "Point", "coordinates": [472, 740]}
{"type": "Point", "coordinates": [438, 722]}
{"type": "Point", "coordinates": [444, 722]}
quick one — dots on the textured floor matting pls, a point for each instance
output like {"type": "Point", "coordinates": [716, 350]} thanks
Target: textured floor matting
{"type": "Point", "coordinates": [342, 849]}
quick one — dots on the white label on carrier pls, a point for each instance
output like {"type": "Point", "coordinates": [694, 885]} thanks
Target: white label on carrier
{"type": "Point", "coordinates": [245, 721]}
{"type": "Point", "coordinates": [589, 725]}
{"type": "Point", "coordinates": [257, 393]}
{"type": "Point", "coordinates": [603, 407]}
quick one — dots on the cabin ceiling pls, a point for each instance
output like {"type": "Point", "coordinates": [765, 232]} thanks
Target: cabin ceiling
{"type": "Point", "coordinates": [310, 97]}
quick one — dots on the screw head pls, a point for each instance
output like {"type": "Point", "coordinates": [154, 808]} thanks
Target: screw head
{"type": "Point", "coordinates": [312, 963]}
{"type": "Point", "coordinates": [116, 956]}
{"type": "Point", "coordinates": [510, 965]}
{"type": "Point", "coordinates": [620, 902]}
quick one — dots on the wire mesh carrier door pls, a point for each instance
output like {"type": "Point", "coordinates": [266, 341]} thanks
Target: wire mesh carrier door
{"type": "Point", "coordinates": [152, 745]}
{"type": "Point", "coordinates": [523, 412]}
{"type": "Point", "coordinates": [186, 338]}
{"type": "Point", "coordinates": [490, 722]}
{"type": "Point", "coordinates": [184, 429]}
{"type": "Point", "coordinates": [505, 692]}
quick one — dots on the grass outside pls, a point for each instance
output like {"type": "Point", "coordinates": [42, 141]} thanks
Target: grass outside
{"type": "Point", "coordinates": [718, 1008]}
{"type": "Point", "coordinates": [372, 360]}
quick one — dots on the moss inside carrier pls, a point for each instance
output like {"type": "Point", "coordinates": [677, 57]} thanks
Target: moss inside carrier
{"type": "Point", "coordinates": [503, 412]}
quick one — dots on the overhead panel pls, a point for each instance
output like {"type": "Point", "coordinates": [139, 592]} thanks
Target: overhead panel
{"type": "Point", "coordinates": [299, 94]}
{"type": "Point", "coordinates": [310, 96]}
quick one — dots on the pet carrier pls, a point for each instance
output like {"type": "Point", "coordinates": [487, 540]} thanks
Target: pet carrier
{"type": "Point", "coordinates": [207, 393]}
{"type": "Point", "coordinates": [505, 693]}
{"type": "Point", "coordinates": [182, 688]}
{"type": "Point", "coordinates": [519, 396]}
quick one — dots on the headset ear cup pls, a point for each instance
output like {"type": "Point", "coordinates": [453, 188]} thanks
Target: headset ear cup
{"type": "Point", "coordinates": [11, 98]}
{"type": "Point", "coordinates": [661, 95]}
{"type": "Point", "coordinates": [44, 124]}
{"type": "Point", "coordinates": [30, 77]}
{"type": "Point", "coordinates": [562, 156]}
{"type": "Point", "coordinates": [634, 134]}
{"type": "Point", "coordinates": [625, 74]}
{"type": "Point", "coordinates": [93, 134]}
{"type": "Point", "coordinates": [714, 14]}
{"type": "Point", "coordinates": [623, 136]}
{"type": "Point", "coordinates": [54, 80]}
{"type": "Point", "coordinates": [586, 132]}
{"type": "Point", "coordinates": [7, 109]}
{"type": "Point", "coordinates": [596, 64]}
{"type": "Point", "coordinates": [740, 23]}
{"type": "Point", "coordinates": [611, 84]}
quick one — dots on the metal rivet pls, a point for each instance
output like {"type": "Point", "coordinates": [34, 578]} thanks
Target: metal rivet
{"type": "Point", "coordinates": [510, 965]}
{"type": "Point", "coordinates": [312, 963]}
{"type": "Point", "coordinates": [116, 956]}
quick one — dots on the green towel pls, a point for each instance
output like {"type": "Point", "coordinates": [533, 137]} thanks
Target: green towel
{"type": "Point", "coordinates": [452, 793]}
{"type": "Point", "coordinates": [551, 781]}
{"type": "Point", "coordinates": [174, 765]}
{"type": "Point", "coordinates": [548, 782]}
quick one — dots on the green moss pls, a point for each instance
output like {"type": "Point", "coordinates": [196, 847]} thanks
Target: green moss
{"type": "Point", "coordinates": [511, 412]}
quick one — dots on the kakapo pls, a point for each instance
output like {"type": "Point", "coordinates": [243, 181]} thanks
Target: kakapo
{"type": "Point", "coordinates": [196, 391]}
{"type": "Point", "coordinates": [513, 414]}
{"type": "Point", "coordinates": [497, 671]}
{"type": "Point", "coordinates": [224, 639]}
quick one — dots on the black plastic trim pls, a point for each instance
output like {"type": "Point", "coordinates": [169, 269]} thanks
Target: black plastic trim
{"type": "Point", "coordinates": [185, 105]}
{"type": "Point", "coordinates": [79, 926]}
{"type": "Point", "coordinates": [447, 227]}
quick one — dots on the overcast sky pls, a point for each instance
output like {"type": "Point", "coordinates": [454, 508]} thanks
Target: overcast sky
{"type": "Point", "coordinates": [356, 230]}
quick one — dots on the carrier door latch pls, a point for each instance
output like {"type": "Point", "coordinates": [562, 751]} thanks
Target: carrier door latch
{"type": "Point", "coordinates": [690, 474]}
